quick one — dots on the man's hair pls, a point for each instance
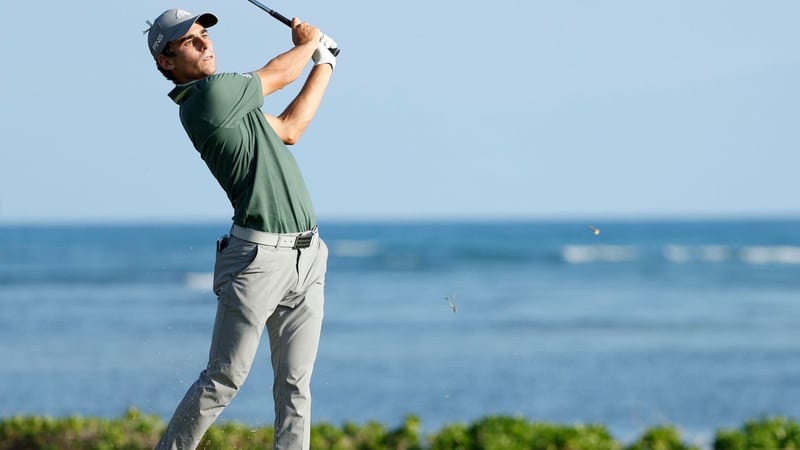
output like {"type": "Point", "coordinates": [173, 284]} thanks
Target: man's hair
{"type": "Point", "coordinates": [167, 73]}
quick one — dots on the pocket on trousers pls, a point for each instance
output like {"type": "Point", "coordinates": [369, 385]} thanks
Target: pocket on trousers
{"type": "Point", "coordinates": [239, 257]}
{"type": "Point", "coordinates": [314, 264]}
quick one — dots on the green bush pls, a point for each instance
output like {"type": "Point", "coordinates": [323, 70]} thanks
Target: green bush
{"type": "Point", "coordinates": [132, 432]}
{"type": "Point", "coordinates": [660, 438]}
{"type": "Point", "coordinates": [451, 437]}
{"type": "Point", "coordinates": [135, 431]}
{"type": "Point", "coordinates": [515, 433]}
{"type": "Point", "coordinates": [235, 435]}
{"type": "Point", "coordinates": [777, 433]}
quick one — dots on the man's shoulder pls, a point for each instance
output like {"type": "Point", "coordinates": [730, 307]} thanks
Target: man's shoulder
{"type": "Point", "coordinates": [215, 85]}
{"type": "Point", "coordinates": [222, 98]}
{"type": "Point", "coordinates": [229, 83]}
{"type": "Point", "coordinates": [228, 77]}
{"type": "Point", "coordinates": [231, 75]}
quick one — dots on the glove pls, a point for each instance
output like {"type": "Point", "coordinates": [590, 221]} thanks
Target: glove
{"type": "Point", "coordinates": [327, 41]}
{"type": "Point", "coordinates": [323, 56]}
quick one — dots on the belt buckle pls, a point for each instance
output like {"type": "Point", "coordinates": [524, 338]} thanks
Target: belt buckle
{"type": "Point", "coordinates": [303, 240]}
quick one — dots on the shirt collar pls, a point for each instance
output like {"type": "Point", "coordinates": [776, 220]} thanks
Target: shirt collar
{"type": "Point", "coordinates": [181, 91]}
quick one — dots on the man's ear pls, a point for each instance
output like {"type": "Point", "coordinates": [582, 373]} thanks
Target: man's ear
{"type": "Point", "coordinates": [165, 62]}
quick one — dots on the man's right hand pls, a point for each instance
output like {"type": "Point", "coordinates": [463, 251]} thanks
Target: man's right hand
{"type": "Point", "coordinates": [304, 32]}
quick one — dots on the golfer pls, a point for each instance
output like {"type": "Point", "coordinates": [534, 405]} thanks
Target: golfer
{"type": "Point", "coordinates": [270, 270]}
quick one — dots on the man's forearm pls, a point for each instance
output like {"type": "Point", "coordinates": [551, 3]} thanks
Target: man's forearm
{"type": "Point", "coordinates": [285, 68]}
{"type": "Point", "coordinates": [294, 120]}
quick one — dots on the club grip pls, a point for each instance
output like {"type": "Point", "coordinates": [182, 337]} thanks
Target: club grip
{"type": "Point", "coordinates": [280, 17]}
{"type": "Point", "coordinates": [288, 23]}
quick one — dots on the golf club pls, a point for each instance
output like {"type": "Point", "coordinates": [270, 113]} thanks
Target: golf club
{"type": "Point", "coordinates": [283, 19]}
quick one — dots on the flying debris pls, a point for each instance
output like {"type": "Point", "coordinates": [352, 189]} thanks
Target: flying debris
{"type": "Point", "coordinates": [594, 230]}
{"type": "Point", "coordinates": [452, 301]}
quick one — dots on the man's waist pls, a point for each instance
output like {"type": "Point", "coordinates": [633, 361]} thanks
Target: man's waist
{"type": "Point", "coordinates": [284, 240]}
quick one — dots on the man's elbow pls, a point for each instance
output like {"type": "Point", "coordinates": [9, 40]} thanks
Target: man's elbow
{"type": "Point", "coordinates": [291, 135]}
{"type": "Point", "coordinates": [291, 139]}
{"type": "Point", "coordinates": [293, 130]}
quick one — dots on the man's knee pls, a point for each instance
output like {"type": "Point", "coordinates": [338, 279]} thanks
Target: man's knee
{"type": "Point", "coordinates": [223, 382]}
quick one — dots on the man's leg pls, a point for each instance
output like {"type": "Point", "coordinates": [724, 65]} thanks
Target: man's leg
{"type": "Point", "coordinates": [233, 349]}
{"type": "Point", "coordinates": [294, 333]}
{"type": "Point", "coordinates": [247, 280]}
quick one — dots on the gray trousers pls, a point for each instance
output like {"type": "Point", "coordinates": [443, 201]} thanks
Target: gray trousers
{"type": "Point", "coordinates": [258, 286]}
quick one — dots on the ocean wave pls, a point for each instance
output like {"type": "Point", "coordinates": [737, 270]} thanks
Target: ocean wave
{"type": "Point", "coordinates": [753, 255]}
{"type": "Point", "coordinates": [199, 281]}
{"type": "Point", "coordinates": [704, 253]}
{"type": "Point", "coordinates": [583, 254]}
{"type": "Point", "coordinates": [354, 248]}
{"type": "Point", "coordinates": [682, 254]}
{"type": "Point", "coordinates": [761, 255]}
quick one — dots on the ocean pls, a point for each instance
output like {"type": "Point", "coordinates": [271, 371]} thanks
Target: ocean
{"type": "Point", "coordinates": [689, 323]}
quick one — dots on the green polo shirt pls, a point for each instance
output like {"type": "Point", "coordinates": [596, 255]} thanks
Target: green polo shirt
{"type": "Point", "coordinates": [222, 116]}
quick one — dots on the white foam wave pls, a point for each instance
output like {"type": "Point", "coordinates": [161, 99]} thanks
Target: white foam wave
{"type": "Point", "coordinates": [755, 255]}
{"type": "Point", "coordinates": [705, 253]}
{"type": "Point", "coordinates": [677, 253]}
{"type": "Point", "coordinates": [760, 255]}
{"type": "Point", "coordinates": [200, 281]}
{"type": "Point", "coordinates": [582, 254]}
{"type": "Point", "coordinates": [674, 253]}
{"type": "Point", "coordinates": [354, 248]}
{"type": "Point", "coordinates": [715, 253]}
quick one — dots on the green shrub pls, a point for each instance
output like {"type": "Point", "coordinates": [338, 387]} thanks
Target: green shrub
{"type": "Point", "coordinates": [405, 437]}
{"type": "Point", "coordinates": [234, 435]}
{"type": "Point", "coordinates": [776, 433]}
{"type": "Point", "coordinates": [132, 432]}
{"type": "Point", "coordinates": [135, 431]}
{"type": "Point", "coordinates": [501, 432]}
{"type": "Point", "coordinates": [453, 436]}
{"type": "Point", "coordinates": [512, 433]}
{"type": "Point", "coordinates": [327, 436]}
{"type": "Point", "coordinates": [660, 438]}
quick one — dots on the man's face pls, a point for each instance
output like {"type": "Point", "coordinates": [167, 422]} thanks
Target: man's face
{"type": "Point", "coordinates": [193, 57]}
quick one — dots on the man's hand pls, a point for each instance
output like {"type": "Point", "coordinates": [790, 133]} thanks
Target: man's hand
{"type": "Point", "coordinates": [322, 55]}
{"type": "Point", "coordinates": [304, 32]}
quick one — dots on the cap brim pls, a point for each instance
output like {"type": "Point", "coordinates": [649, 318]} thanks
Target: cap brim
{"type": "Point", "coordinates": [205, 19]}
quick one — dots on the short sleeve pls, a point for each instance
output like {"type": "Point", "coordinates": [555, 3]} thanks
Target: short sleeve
{"type": "Point", "coordinates": [229, 97]}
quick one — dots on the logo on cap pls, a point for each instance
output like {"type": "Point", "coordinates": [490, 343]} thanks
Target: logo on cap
{"type": "Point", "coordinates": [181, 14]}
{"type": "Point", "coordinates": [158, 41]}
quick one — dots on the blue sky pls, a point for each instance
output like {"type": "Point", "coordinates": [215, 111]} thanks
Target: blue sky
{"type": "Point", "coordinates": [437, 110]}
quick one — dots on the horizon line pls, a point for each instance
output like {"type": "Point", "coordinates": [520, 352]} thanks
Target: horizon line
{"type": "Point", "coordinates": [551, 218]}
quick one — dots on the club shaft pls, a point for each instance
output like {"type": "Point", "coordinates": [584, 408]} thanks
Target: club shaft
{"type": "Point", "coordinates": [283, 19]}
{"type": "Point", "coordinates": [272, 12]}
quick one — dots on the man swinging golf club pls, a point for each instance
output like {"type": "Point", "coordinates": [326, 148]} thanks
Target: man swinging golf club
{"type": "Point", "coordinates": [270, 270]}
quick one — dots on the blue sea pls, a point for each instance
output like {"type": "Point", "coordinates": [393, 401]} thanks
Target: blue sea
{"type": "Point", "coordinates": [690, 323]}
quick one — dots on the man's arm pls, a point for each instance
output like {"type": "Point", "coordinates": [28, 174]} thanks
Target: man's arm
{"type": "Point", "coordinates": [287, 67]}
{"type": "Point", "coordinates": [292, 122]}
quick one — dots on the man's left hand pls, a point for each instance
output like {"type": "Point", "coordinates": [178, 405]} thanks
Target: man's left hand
{"type": "Point", "coordinates": [327, 41]}
{"type": "Point", "coordinates": [322, 55]}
